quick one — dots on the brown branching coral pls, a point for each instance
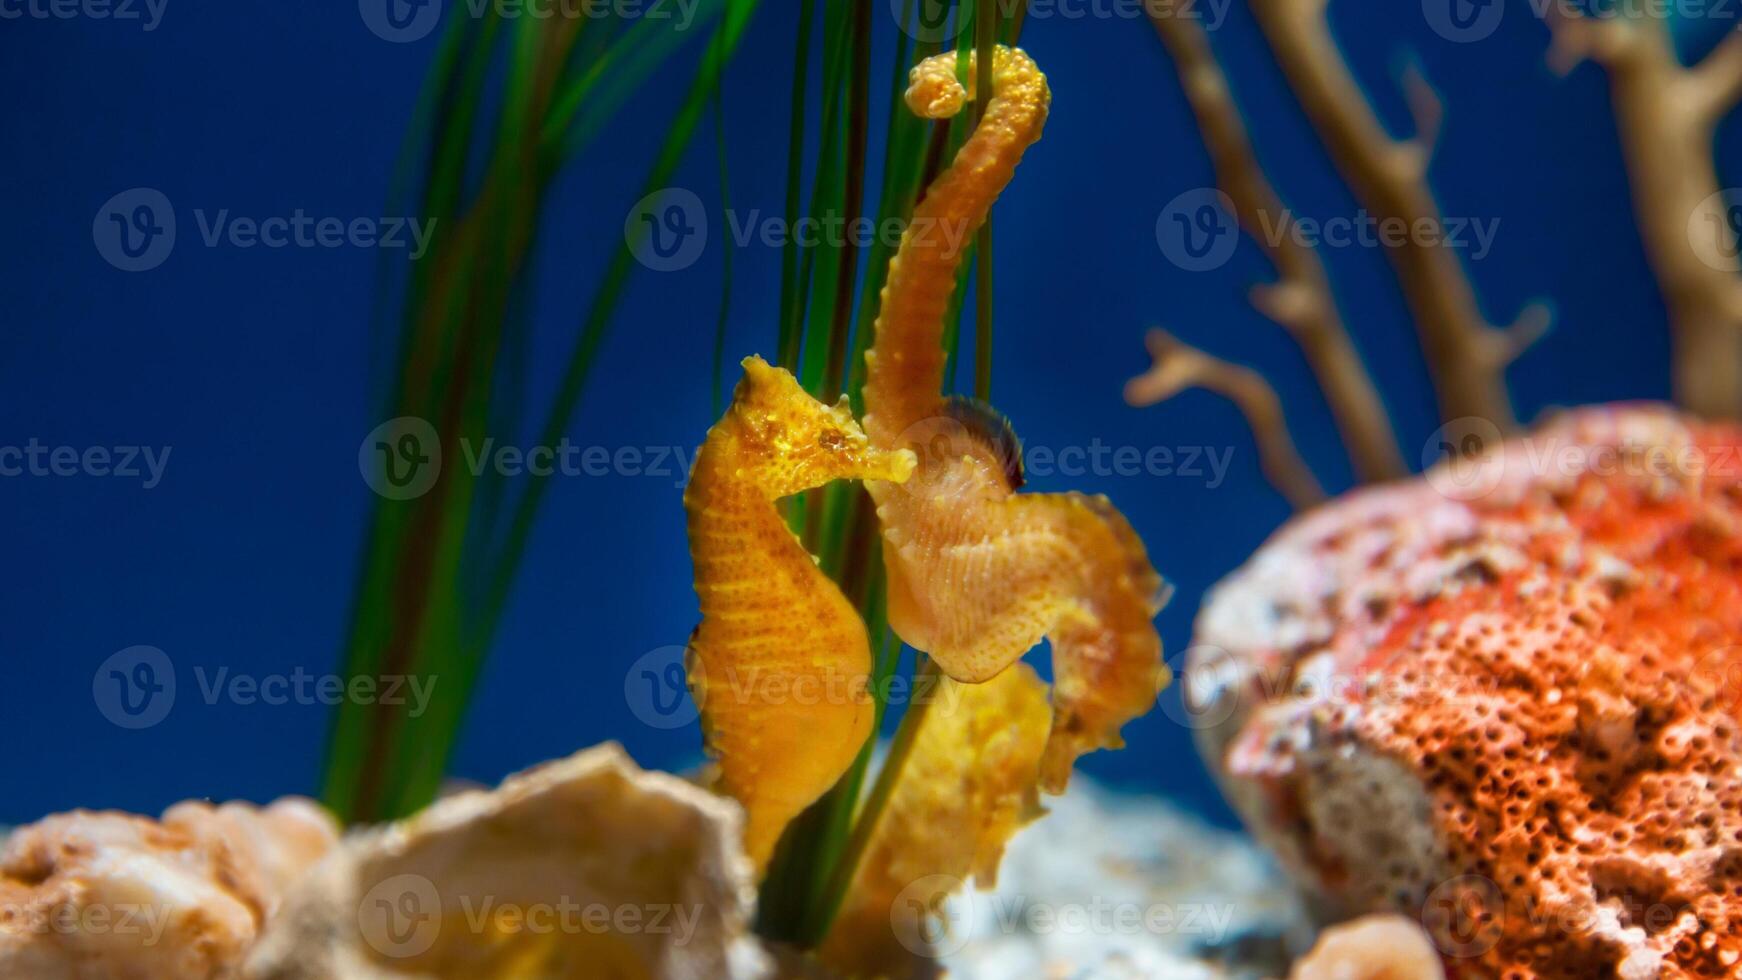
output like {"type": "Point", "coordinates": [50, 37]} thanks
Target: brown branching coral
{"type": "Point", "coordinates": [1467, 355]}
{"type": "Point", "coordinates": [1666, 114]}
{"type": "Point", "coordinates": [1300, 299]}
{"type": "Point", "coordinates": [978, 573]}
{"type": "Point", "coordinates": [1179, 366]}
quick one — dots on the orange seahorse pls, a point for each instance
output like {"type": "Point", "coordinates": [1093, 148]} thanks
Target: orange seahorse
{"type": "Point", "coordinates": [780, 664]}
{"type": "Point", "coordinates": [978, 574]}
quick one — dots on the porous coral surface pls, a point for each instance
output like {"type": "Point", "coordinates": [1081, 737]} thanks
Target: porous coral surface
{"type": "Point", "coordinates": [1503, 698]}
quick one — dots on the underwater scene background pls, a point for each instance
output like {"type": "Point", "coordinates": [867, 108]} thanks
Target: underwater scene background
{"type": "Point", "coordinates": [249, 376]}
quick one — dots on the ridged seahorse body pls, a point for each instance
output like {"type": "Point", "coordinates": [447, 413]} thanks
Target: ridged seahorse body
{"type": "Point", "coordinates": [780, 663]}
{"type": "Point", "coordinates": [978, 574]}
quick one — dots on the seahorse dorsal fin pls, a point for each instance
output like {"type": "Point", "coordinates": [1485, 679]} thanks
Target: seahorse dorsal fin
{"type": "Point", "coordinates": [990, 428]}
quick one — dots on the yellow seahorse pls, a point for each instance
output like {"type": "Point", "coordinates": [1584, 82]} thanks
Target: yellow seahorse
{"type": "Point", "coordinates": [977, 573]}
{"type": "Point", "coordinates": [780, 663]}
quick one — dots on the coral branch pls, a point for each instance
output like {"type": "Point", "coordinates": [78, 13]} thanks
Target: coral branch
{"type": "Point", "coordinates": [1179, 366]}
{"type": "Point", "coordinates": [1426, 108]}
{"type": "Point", "coordinates": [1300, 299]}
{"type": "Point", "coordinates": [1665, 113]}
{"type": "Point", "coordinates": [1718, 79]}
{"type": "Point", "coordinates": [1388, 177]}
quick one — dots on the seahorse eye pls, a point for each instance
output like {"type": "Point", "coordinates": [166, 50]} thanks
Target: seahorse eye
{"type": "Point", "coordinates": [831, 439]}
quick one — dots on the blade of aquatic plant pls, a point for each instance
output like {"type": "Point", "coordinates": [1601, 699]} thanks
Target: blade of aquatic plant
{"type": "Point", "coordinates": [418, 612]}
{"type": "Point", "coordinates": [833, 352]}
{"type": "Point", "coordinates": [718, 402]}
{"type": "Point", "coordinates": [813, 301]}
{"type": "Point", "coordinates": [820, 263]}
{"type": "Point", "coordinates": [853, 202]}
{"type": "Point", "coordinates": [403, 759]}
{"type": "Point", "coordinates": [926, 674]}
{"type": "Point", "coordinates": [847, 548]}
{"type": "Point", "coordinates": [836, 810]}
{"type": "Point", "coordinates": [986, 28]}
{"type": "Point", "coordinates": [515, 177]}
{"type": "Point", "coordinates": [730, 31]}
{"type": "Point", "coordinates": [356, 733]}
{"type": "Point", "coordinates": [403, 183]}
{"type": "Point", "coordinates": [386, 525]}
{"type": "Point", "coordinates": [596, 96]}
{"type": "Point", "coordinates": [841, 856]}
{"type": "Point", "coordinates": [903, 179]}
{"type": "Point", "coordinates": [821, 270]}
{"type": "Point", "coordinates": [839, 522]}
{"type": "Point", "coordinates": [787, 340]}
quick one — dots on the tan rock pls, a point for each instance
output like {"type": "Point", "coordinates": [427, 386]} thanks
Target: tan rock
{"type": "Point", "coordinates": [113, 896]}
{"type": "Point", "coordinates": [1377, 947]}
{"type": "Point", "coordinates": [585, 867]}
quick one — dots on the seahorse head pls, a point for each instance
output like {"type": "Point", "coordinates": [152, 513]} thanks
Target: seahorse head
{"type": "Point", "coordinates": [801, 441]}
